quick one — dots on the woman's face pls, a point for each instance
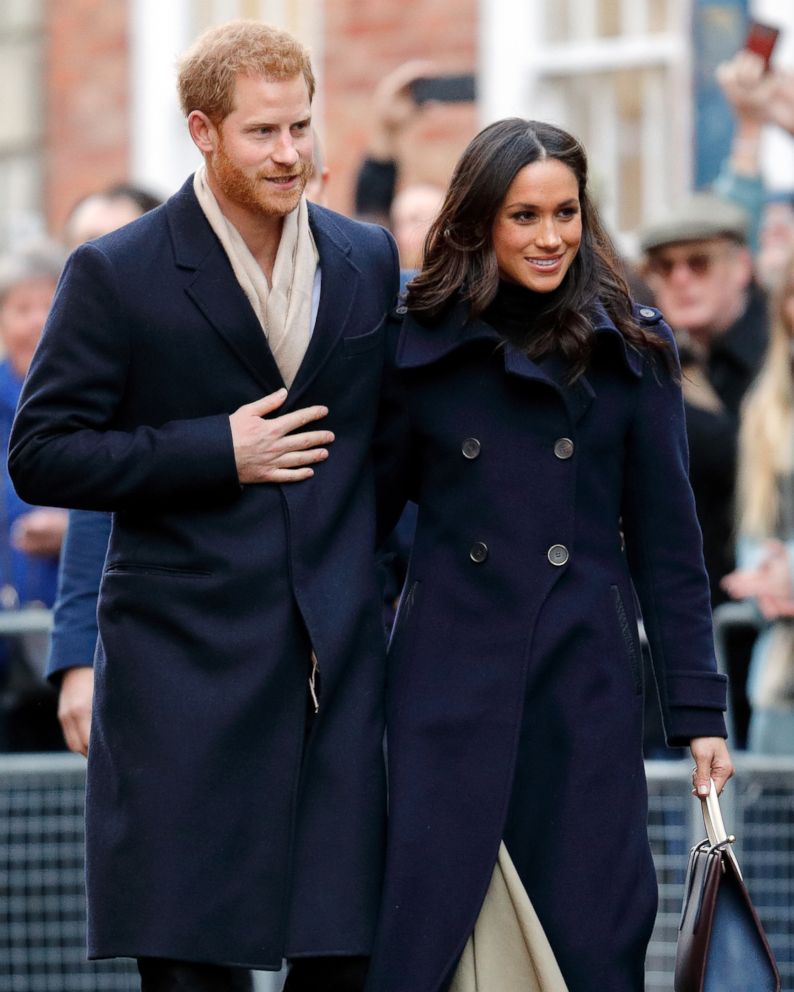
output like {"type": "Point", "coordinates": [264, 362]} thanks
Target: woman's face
{"type": "Point", "coordinates": [538, 227]}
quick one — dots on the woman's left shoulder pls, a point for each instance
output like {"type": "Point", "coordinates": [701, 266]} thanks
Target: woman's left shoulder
{"type": "Point", "coordinates": [651, 319]}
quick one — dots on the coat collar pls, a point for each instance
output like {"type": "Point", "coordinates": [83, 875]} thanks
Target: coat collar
{"type": "Point", "coordinates": [217, 294]}
{"type": "Point", "coordinates": [421, 344]}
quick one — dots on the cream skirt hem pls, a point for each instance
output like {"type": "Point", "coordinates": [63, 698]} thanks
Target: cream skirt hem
{"type": "Point", "coordinates": [508, 951]}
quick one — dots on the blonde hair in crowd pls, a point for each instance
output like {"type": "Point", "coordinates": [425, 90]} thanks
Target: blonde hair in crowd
{"type": "Point", "coordinates": [766, 437]}
{"type": "Point", "coordinates": [207, 72]}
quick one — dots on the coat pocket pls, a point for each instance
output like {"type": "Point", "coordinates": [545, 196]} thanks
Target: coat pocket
{"type": "Point", "coordinates": [364, 342]}
{"type": "Point", "coordinates": [629, 639]}
{"type": "Point", "coordinates": [144, 568]}
{"type": "Point", "coordinates": [404, 611]}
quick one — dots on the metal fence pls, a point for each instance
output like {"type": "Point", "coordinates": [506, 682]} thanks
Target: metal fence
{"type": "Point", "coordinates": [42, 905]}
{"type": "Point", "coordinates": [42, 901]}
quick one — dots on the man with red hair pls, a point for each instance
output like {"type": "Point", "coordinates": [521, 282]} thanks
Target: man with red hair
{"type": "Point", "coordinates": [197, 367]}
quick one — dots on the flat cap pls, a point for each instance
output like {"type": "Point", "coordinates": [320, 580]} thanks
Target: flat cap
{"type": "Point", "coordinates": [699, 216]}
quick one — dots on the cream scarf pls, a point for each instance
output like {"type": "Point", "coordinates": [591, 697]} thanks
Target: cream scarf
{"type": "Point", "coordinates": [284, 309]}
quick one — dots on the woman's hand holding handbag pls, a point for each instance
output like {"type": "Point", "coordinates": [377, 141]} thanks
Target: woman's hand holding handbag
{"type": "Point", "coordinates": [722, 946]}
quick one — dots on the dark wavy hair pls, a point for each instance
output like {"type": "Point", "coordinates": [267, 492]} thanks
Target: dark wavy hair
{"type": "Point", "coordinates": [459, 259]}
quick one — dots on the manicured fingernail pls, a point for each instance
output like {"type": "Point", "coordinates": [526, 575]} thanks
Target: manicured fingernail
{"type": "Point", "coordinates": [703, 790]}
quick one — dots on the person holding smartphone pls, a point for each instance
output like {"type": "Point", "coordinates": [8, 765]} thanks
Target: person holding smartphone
{"type": "Point", "coordinates": [401, 98]}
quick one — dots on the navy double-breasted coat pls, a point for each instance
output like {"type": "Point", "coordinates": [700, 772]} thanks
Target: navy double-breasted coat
{"type": "Point", "coordinates": [514, 680]}
{"type": "Point", "coordinates": [214, 832]}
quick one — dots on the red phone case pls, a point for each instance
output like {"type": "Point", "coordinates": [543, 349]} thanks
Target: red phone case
{"type": "Point", "coordinates": [761, 39]}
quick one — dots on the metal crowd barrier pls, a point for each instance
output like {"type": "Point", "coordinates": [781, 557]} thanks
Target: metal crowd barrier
{"type": "Point", "coordinates": [42, 901]}
{"type": "Point", "coordinates": [42, 904]}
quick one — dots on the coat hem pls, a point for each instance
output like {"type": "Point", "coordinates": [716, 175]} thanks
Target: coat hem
{"type": "Point", "coordinates": [252, 965]}
{"type": "Point", "coordinates": [132, 956]}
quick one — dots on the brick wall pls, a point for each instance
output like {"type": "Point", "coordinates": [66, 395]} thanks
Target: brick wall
{"type": "Point", "coordinates": [86, 66]}
{"type": "Point", "coordinates": [363, 40]}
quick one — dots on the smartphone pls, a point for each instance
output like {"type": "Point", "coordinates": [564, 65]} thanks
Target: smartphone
{"type": "Point", "coordinates": [444, 89]}
{"type": "Point", "coordinates": [761, 39]}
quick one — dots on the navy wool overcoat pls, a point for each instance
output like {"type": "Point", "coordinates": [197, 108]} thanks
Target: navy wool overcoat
{"type": "Point", "coordinates": [514, 680]}
{"type": "Point", "coordinates": [214, 831]}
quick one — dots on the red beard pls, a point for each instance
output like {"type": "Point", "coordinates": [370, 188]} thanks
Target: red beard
{"type": "Point", "coordinates": [253, 192]}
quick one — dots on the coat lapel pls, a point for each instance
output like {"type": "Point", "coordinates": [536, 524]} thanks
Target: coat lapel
{"type": "Point", "coordinates": [339, 285]}
{"type": "Point", "coordinates": [422, 344]}
{"type": "Point", "coordinates": [215, 290]}
{"type": "Point", "coordinates": [552, 371]}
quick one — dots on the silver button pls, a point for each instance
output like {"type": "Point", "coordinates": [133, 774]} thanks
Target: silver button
{"type": "Point", "coordinates": [470, 448]}
{"type": "Point", "coordinates": [647, 312]}
{"type": "Point", "coordinates": [557, 554]}
{"type": "Point", "coordinates": [401, 310]}
{"type": "Point", "coordinates": [563, 448]}
{"type": "Point", "coordinates": [478, 553]}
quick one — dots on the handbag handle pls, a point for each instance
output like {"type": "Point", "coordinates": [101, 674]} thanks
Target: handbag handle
{"type": "Point", "coordinates": [715, 827]}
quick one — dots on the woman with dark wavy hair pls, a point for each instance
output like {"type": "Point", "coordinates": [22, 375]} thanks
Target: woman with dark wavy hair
{"type": "Point", "coordinates": [534, 414]}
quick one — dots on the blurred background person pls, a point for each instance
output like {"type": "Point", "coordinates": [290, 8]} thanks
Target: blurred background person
{"type": "Point", "coordinates": [393, 111]}
{"type": "Point", "coordinates": [317, 185]}
{"type": "Point", "coordinates": [765, 515]}
{"type": "Point", "coordinates": [744, 83]}
{"type": "Point", "coordinates": [749, 88]}
{"type": "Point", "coordinates": [105, 210]}
{"type": "Point", "coordinates": [407, 209]}
{"type": "Point", "coordinates": [413, 210]}
{"type": "Point", "coordinates": [699, 268]}
{"type": "Point", "coordinates": [775, 238]}
{"type": "Point", "coordinates": [30, 537]}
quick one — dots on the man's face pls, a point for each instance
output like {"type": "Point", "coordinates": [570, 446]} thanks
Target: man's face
{"type": "Point", "coordinates": [700, 285]}
{"type": "Point", "coordinates": [262, 157]}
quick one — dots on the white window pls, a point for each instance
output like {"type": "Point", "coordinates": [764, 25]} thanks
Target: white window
{"type": "Point", "coordinates": [616, 74]}
{"type": "Point", "coordinates": [21, 122]}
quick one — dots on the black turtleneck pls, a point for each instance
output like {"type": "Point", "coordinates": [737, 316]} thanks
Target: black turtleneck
{"type": "Point", "coordinates": [517, 313]}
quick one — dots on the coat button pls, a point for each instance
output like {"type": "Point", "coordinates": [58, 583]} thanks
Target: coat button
{"type": "Point", "coordinates": [563, 448]}
{"type": "Point", "coordinates": [478, 553]}
{"type": "Point", "coordinates": [647, 312]}
{"type": "Point", "coordinates": [470, 448]}
{"type": "Point", "coordinates": [401, 310]}
{"type": "Point", "coordinates": [557, 554]}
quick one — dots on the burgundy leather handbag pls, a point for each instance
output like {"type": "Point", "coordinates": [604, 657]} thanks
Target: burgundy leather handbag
{"type": "Point", "coordinates": [722, 946]}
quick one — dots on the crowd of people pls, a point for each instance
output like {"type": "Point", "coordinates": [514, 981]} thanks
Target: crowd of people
{"type": "Point", "coordinates": [717, 267]}
{"type": "Point", "coordinates": [240, 395]}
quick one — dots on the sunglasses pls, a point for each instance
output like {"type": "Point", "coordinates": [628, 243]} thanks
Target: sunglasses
{"type": "Point", "coordinates": [699, 263]}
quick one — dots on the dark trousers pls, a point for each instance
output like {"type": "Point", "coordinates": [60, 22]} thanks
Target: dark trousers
{"type": "Point", "coordinates": [320, 974]}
